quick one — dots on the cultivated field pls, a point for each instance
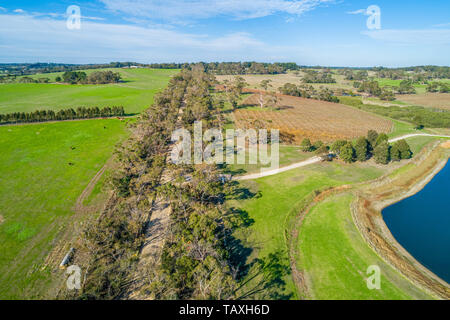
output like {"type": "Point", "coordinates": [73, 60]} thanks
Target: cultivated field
{"type": "Point", "coordinates": [433, 100]}
{"type": "Point", "coordinates": [43, 170]}
{"type": "Point", "coordinates": [313, 119]}
{"type": "Point", "coordinates": [135, 93]}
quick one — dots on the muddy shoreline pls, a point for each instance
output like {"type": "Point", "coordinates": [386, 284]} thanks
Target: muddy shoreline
{"type": "Point", "coordinates": [366, 213]}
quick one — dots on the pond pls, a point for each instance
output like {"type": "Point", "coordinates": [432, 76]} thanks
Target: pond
{"type": "Point", "coordinates": [421, 224]}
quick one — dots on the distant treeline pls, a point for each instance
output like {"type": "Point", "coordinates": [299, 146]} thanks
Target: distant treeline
{"type": "Point", "coordinates": [72, 77]}
{"type": "Point", "coordinates": [308, 92]}
{"type": "Point", "coordinates": [22, 69]}
{"type": "Point", "coordinates": [67, 114]}
{"type": "Point", "coordinates": [97, 77]}
{"type": "Point", "coordinates": [421, 117]}
{"type": "Point", "coordinates": [416, 74]}
{"type": "Point", "coordinates": [312, 76]}
{"type": "Point", "coordinates": [213, 67]}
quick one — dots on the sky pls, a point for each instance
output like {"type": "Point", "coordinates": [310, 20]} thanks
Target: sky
{"type": "Point", "coordinates": [308, 32]}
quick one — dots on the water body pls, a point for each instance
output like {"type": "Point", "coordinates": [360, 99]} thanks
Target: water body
{"type": "Point", "coordinates": [421, 224]}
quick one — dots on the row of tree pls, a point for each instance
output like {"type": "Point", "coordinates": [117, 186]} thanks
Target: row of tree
{"type": "Point", "coordinates": [114, 240]}
{"type": "Point", "coordinates": [66, 114]}
{"type": "Point", "coordinates": [199, 257]}
{"type": "Point", "coordinates": [97, 77]}
{"type": "Point", "coordinates": [373, 88]}
{"type": "Point", "coordinates": [441, 87]}
{"type": "Point", "coordinates": [374, 145]}
{"type": "Point", "coordinates": [313, 76]}
{"type": "Point", "coordinates": [27, 79]}
{"type": "Point", "coordinates": [309, 92]}
{"type": "Point", "coordinates": [420, 74]}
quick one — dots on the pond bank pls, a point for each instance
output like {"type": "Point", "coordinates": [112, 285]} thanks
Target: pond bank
{"type": "Point", "coordinates": [372, 199]}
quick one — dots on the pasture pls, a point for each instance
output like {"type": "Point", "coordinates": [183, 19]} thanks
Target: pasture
{"type": "Point", "coordinates": [432, 100]}
{"type": "Point", "coordinates": [272, 207]}
{"type": "Point", "coordinates": [334, 257]}
{"type": "Point", "coordinates": [43, 170]}
{"type": "Point", "coordinates": [313, 119]}
{"type": "Point", "coordinates": [135, 93]}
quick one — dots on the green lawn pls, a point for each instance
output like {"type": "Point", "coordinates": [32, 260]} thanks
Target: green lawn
{"type": "Point", "coordinates": [335, 257]}
{"type": "Point", "coordinates": [278, 199]}
{"type": "Point", "coordinates": [332, 252]}
{"type": "Point", "coordinates": [135, 93]}
{"type": "Point", "coordinates": [418, 143]}
{"type": "Point", "coordinates": [39, 188]}
{"type": "Point", "coordinates": [420, 88]}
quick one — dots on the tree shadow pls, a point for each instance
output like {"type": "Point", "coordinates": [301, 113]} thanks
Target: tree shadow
{"type": "Point", "coordinates": [242, 193]}
{"type": "Point", "coordinates": [264, 278]}
{"type": "Point", "coordinates": [261, 278]}
{"type": "Point", "coordinates": [227, 169]}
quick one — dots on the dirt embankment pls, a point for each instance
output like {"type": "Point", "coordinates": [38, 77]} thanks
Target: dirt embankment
{"type": "Point", "coordinates": [366, 212]}
{"type": "Point", "coordinates": [446, 145]}
{"type": "Point", "coordinates": [299, 277]}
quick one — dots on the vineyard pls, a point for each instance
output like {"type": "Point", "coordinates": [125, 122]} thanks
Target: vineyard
{"type": "Point", "coordinates": [305, 118]}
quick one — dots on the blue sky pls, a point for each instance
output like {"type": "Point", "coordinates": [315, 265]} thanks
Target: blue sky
{"type": "Point", "coordinates": [309, 32]}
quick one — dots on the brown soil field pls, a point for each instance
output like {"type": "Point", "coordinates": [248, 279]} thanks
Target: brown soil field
{"type": "Point", "coordinates": [433, 100]}
{"type": "Point", "coordinates": [278, 80]}
{"type": "Point", "coordinates": [446, 145]}
{"type": "Point", "coordinates": [313, 119]}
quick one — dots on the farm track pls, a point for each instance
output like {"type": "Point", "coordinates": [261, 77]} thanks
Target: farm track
{"type": "Point", "coordinates": [70, 237]}
{"type": "Point", "coordinates": [79, 207]}
{"type": "Point", "coordinates": [155, 234]}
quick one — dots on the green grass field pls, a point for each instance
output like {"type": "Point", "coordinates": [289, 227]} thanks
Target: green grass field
{"type": "Point", "coordinates": [278, 201]}
{"type": "Point", "coordinates": [39, 189]}
{"type": "Point", "coordinates": [335, 257]}
{"type": "Point", "coordinates": [329, 248]}
{"type": "Point", "coordinates": [135, 93]}
{"type": "Point", "coordinates": [420, 88]}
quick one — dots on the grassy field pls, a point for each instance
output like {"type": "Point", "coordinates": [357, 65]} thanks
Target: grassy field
{"type": "Point", "coordinates": [276, 200]}
{"type": "Point", "coordinates": [135, 93]}
{"type": "Point", "coordinates": [44, 168]}
{"type": "Point", "coordinates": [335, 257]}
{"type": "Point", "coordinates": [330, 249]}
{"type": "Point", "coordinates": [420, 88]}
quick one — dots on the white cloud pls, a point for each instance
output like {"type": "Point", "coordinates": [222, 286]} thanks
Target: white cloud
{"type": "Point", "coordinates": [442, 25]}
{"type": "Point", "coordinates": [19, 11]}
{"type": "Point", "coordinates": [360, 11]}
{"type": "Point", "coordinates": [201, 9]}
{"type": "Point", "coordinates": [3, 9]}
{"type": "Point", "coordinates": [49, 39]}
{"type": "Point", "coordinates": [415, 37]}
